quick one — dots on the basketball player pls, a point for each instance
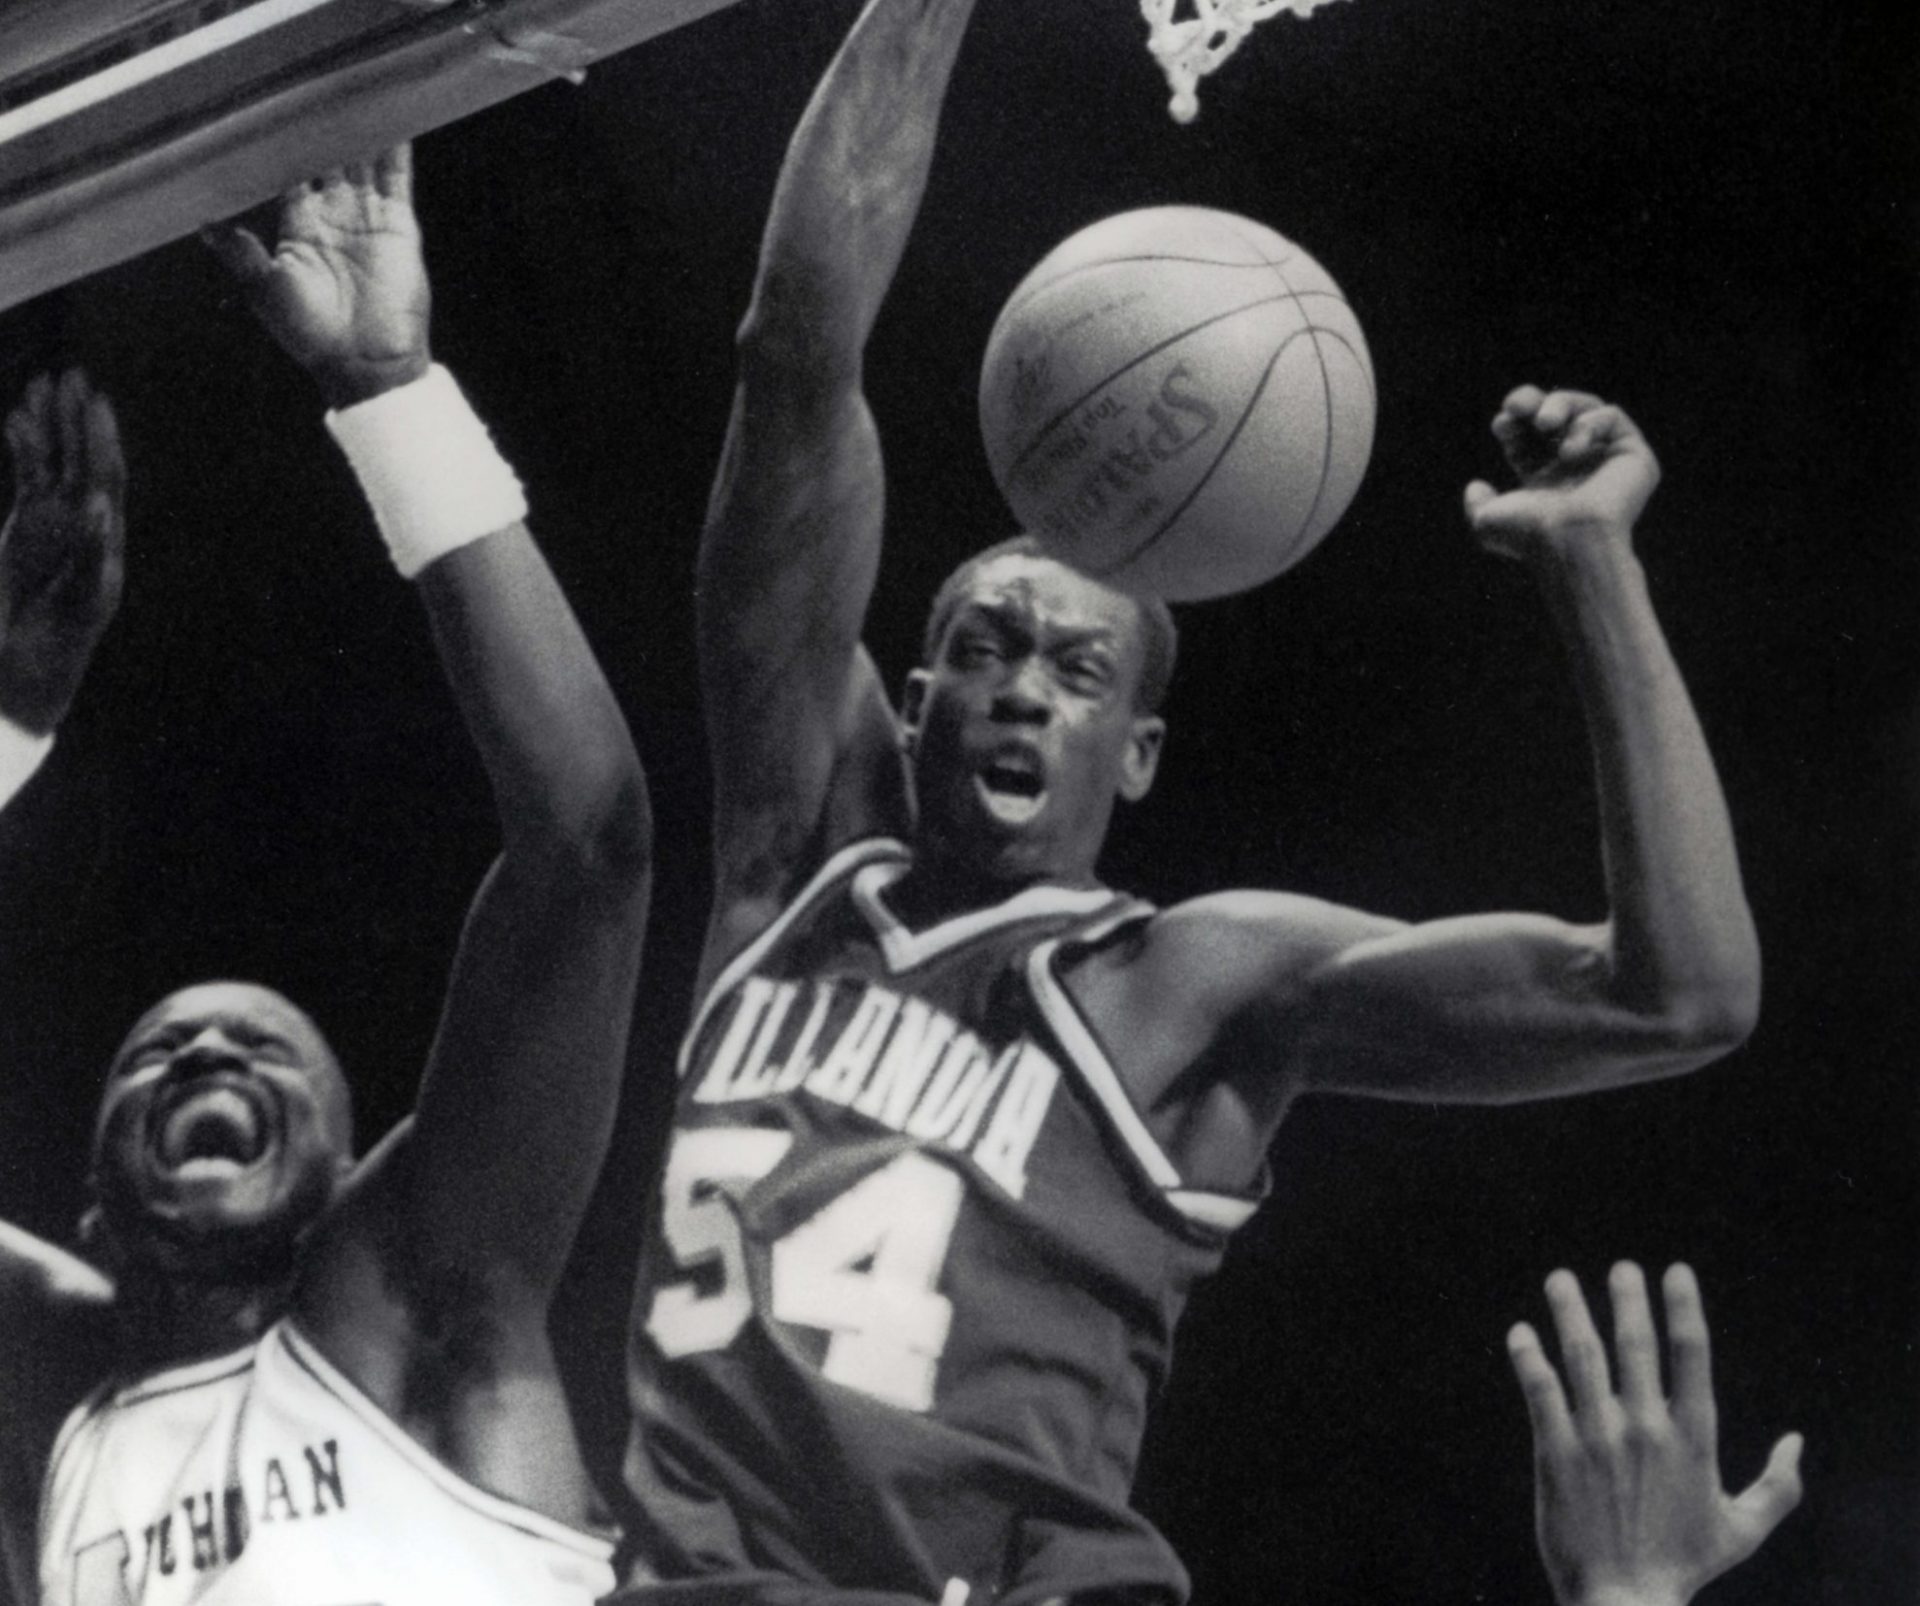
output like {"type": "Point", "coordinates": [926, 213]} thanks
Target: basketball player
{"type": "Point", "coordinates": [960, 1127]}
{"type": "Point", "coordinates": [1629, 1507]}
{"type": "Point", "coordinates": [316, 1383]}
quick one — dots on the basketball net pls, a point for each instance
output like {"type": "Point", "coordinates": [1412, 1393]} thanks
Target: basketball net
{"type": "Point", "coordinates": [1188, 48]}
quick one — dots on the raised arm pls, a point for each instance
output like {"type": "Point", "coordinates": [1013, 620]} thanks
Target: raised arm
{"type": "Point", "coordinates": [802, 739]}
{"type": "Point", "coordinates": [61, 554]}
{"type": "Point", "coordinates": [1498, 1007]}
{"type": "Point", "coordinates": [1515, 1006]}
{"type": "Point", "coordinates": [60, 572]}
{"type": "Point", "coordinates": [481, 1203]}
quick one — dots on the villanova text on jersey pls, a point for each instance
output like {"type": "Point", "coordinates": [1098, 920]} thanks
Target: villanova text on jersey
{"type": "Point", "coordinates": [894, 1058]}
{"type": "Point", "coordinates": [916, 1266]}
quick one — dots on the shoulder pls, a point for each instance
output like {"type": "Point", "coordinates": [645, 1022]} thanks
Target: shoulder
{"type": "Point", "coordinates": [770, 830]}
{"type": "Point", "coordinates": [1210, 985]}
{"type": "Point", "coordinates": [1225, 941]}
{"type": "Point", "coordinates": [750, 916]}
{"type": "Point", "coordinates": [456, 1358]}
{"type": "Point", "coordinates": [376, 1299]}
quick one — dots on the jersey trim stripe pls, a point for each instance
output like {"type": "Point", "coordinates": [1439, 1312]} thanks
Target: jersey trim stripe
{"type": "Point", "coordinates": [509, 1513]}
{"type": "Point", "coordinates": [1220, 1211]}
{"type": "Point", "coordinates": [903, 949]}
{"type": "Point", "coordinates": [1090, 1059]}
{"type": "Point", "coordinates": [736, 969]}
{"type": "Point", "coordinates": [109, 1395]}
{"type": "Point", "coordinates": [178, 1379]}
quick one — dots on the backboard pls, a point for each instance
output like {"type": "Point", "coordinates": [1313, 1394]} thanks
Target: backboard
{"type": "Point", "coordinates": [128, 123]}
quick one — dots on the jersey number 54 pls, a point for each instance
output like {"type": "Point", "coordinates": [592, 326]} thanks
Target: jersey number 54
{"type": "Point", "coordinates": [864, 1268]}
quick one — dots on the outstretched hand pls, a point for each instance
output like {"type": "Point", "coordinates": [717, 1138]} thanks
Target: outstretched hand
{"type": "Point", "coordinates": [344, 289]}
{"type": "Point", "coordinates": [1629, 1506]}
{"type": "Point", "coordinates": [1585, 471]}
{"type": "Point", "coordinates": [62, 548]}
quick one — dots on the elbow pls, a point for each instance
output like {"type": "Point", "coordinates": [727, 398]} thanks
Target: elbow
{"type": "Point", "coordinates": [601, 846]}
{"type": "Point", "coordinates": [790, 342]}
{"type": "Point", "coordinates": [1713, 1016]}
{"type": "Point", "coordinates": [1696, 1002]}
{"type": "Point", "coordinates": [1721, 1008]}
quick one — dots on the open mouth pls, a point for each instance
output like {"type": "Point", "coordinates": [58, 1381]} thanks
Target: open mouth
{"type": "Point", "coordinates": [209, 1130]}
{"type": "Point", "coordinates": [1011, 788]}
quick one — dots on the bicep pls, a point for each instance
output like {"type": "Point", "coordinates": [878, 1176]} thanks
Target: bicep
{"type": "Point", "coordinates": [759, 867]}
{"type": "Point", "coordinates": [787, 565]}
{"type": "Point", "coordinates": [519, 1095]}
{"type": "Point", "coordinates": [1487, 1008]}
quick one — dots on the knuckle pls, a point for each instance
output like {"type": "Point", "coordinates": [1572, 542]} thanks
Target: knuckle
{"type": "Point", "coordinates": [1635, 1342]}
{"type": "Point", "coordinates": [1644, 1431]}
{"type": "Point", "coordinates": [1583, 1350]}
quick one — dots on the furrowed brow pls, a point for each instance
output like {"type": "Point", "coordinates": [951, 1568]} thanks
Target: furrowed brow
{"type": "Point", "coordinates": [1003, 617]}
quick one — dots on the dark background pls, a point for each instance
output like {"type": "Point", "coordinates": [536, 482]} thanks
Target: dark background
{"type": "Point", "coordinates": [1704, 211]}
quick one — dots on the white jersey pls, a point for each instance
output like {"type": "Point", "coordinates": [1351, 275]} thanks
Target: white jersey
{"type": "Point", "coordinates": [266, 1478]}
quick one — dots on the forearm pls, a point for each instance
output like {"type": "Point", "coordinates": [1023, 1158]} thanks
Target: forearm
{"type": "Point", "coordinates": [851, 186]}
{"type": "Point", "coordinates": [34, 698]}
{"type": "Point", "coordinates": [22, 751]}
{"type": "Point", "coordinates": [1682, 938]}
{"type": "Point", "coordinates": [791, 544]}
{"type": "Point", "coordinates": [1630, 1597]}
{"type": "Point", "coordinates": [554, 745]}
{"type": "Point", "coordinates": [556, 749]}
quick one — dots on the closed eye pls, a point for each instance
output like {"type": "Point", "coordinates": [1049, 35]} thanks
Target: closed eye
{"type": "Point", "coordinates": [1087, 672]}
{"type": "Point", "coordinates": [263, 1042]}
{"type": "Point", "coordinates": [975, 651]}
{"type": "Point", "coordinates": [141, 1055]}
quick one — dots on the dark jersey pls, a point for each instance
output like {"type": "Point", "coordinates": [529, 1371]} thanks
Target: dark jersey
{"type": "Point", "coordinates": [917, 1263]}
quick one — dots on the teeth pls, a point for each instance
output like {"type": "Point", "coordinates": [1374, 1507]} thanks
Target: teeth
{"type": "Point", "coordinates": [1009, 807]}
{"type": "Point", "coordinates": [1013, 773]}
{"type": "Point", "coordinates": [207, 1168]}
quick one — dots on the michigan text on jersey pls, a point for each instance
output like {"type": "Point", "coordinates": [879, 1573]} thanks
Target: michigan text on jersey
{"type": "Point", "coordinates": [213, 1531]}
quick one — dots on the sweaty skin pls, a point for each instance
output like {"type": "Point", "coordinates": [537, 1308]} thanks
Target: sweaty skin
{"type": "Point", "coordinates": [1026, 727]}
{"type": "Point", "coordinates": [1482, 1008]}
{"type": "Point", "coordinates": [227, 1194]}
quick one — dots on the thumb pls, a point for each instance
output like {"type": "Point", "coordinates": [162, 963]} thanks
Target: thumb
{"type": "Point", "coordinates": [239, 250]}
{"type": "Point", "coordinates": [1489, 511]}
{"type": "Point", "coordinates": [1765, 1503]}
{"type": "Point", "coordinates": [1500, 520]}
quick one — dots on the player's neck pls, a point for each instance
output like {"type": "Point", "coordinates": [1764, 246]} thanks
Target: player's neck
{"type": "Point", "coordinates": [941, 884]}
{"type": "Point", "coordinates": [166, 1320]}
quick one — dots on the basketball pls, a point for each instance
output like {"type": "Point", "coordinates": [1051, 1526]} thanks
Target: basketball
{"type": "Point", "coordinates": [1178, 401]}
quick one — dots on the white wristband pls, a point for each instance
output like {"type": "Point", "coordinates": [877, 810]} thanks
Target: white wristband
{"type": "Point", "coordinates": [21, 755]}
{"type": "Point", "coordinates": [429, 468]}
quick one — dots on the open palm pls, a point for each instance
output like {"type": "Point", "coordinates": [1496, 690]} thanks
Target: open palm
{"type": "Point", "coordinates": [344, 290]}
{"type": "Point", "coordinates": [61, 547]}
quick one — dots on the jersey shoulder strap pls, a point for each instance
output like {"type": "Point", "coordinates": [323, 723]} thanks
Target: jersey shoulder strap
{"type": "Point", "coordinates": [841, 867]}
{"type": "Point", "coordinates": [1208, 1210]}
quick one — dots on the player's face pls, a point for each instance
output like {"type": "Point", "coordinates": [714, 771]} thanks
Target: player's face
{"type": "Point", "coordinates": [223, 1130]}
{"type": "Point", "coordinates": [1024, 731]}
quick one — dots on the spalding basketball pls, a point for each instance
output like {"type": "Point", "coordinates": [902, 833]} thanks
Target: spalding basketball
{"type": "Point", "coordinates": [1178, 400]}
